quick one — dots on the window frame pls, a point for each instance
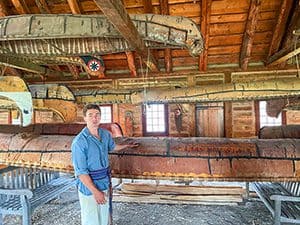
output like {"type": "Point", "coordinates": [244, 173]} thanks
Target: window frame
{"type": "Point", "coordinates": [166, 120]}
{"type": "Point", "coordinates": [111, 112]}
{"type": "Point", "coordinates": [258, 115]}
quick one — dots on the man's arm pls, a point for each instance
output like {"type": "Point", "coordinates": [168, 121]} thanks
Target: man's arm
{"type": "Point", "coordinates": [88, 182]}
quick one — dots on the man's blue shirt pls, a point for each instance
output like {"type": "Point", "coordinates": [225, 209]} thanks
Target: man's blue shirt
{"type": "Point", "coordinates": [91, 154]}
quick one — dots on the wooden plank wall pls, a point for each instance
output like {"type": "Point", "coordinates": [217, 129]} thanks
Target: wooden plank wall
{"type": "Point", "coordinates": [292, 117]}
{"type": "Point", "coordinates": [123, 111]}
{"type": "Point", "coordinates": [210, 120]}
{"type": "Point", "coordinates": [4, 117]}
{"type": "Point", "coordinates": [243, 119]}
{"type": "Point", "coordinates": [239, 119]}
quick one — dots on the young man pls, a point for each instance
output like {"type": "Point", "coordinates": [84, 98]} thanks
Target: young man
{"type": "Point", "coordinates": [90, 160]}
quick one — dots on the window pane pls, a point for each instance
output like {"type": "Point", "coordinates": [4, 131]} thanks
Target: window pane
{"type": "Point", "coordinates": [155, 118]}
{"type": "Point", "coordinates": [266, 120]}
{"type": "Point", "coordinates": [106, 114]}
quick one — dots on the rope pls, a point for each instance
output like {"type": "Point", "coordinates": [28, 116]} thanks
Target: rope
{"type": "Point", "coordinates": [145, 77]}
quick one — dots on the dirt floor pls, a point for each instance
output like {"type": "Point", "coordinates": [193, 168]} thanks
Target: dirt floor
{"type": "Point", "coordinates": [66, 210]}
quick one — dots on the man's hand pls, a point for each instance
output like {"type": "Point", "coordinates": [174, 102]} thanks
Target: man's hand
{"type": "Point", "coordinates": [99, 197]}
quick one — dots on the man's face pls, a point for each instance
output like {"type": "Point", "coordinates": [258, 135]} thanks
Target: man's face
{"type": "Point", "coordinates": [92, 118]}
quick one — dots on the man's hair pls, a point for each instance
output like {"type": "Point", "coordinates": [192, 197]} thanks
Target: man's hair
{"type": "Point", "coordinates": [90, 106]}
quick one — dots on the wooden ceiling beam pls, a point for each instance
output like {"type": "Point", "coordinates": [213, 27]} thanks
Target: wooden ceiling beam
{"type": "Point", "coordinates": [74, 6]}
{"type": "Point", "coordinates": [279, 30]}
{"type": "Point", "coordinates": [168, 60]}
{"type": "Point", "coordinates": [293, 25]}
{"type": "Point", "coordinates": [74, 71]}
{"type": "Point", "coordinates": [249, 34]}
{"type": "Point", "coordinates": [164, 7]}
{"type": "Point", "coordinates": [148, 8]}
{"type": "Point", "coordinates": [282, 56]}
{"type": "Point", "coordinates": [43, 6]}
{"type": "Point", "coordinates": [164, 10]}
{"type": "Point", "coordinates": [205, 22]}
{"type": "Point", "coordinates": [131, 63]}
{"type": "Point", "coordinates": [3, 8]}
{"type": "Point", "coordinates": [21, 6]}
{"type": "Point", "coordinates": [288, 50]}
{"type": "Point", "coordinates": [116, 13]}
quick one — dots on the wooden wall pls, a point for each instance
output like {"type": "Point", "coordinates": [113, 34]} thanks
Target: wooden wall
{"type": "Point", "coordinates": [238, 119]}
{"type": "Point", "coordinates": [292, 117]}
{"type": "Point", "coordinates": [210, 119]}
{"type": "Point", "coordinates": [188, 128]}
{"type": "Point", "coordinates": [242, 121]}
{"type": "Point", "coordinates": [130, 118]}
{"type": "Point", "coordinates": [130, 115]}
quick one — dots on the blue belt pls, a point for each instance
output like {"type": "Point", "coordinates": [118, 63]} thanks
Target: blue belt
{"type": "Point", "coordinates": [99, 174]}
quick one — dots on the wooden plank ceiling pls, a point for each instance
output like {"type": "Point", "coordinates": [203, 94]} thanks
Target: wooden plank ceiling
{"type": "Point", "coordinates": [242, 36]}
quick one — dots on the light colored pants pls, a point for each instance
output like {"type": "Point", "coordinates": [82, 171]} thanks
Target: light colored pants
{"type": "Point", "coordinates": [91, 212]}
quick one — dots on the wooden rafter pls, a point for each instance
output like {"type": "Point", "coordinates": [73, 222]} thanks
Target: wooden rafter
{"type": "Point", "coordinates": [288, 50]}
{"type": "Point", "coordinates": [3, 8]}
{"type": "Point", "coordinates": [205, 21]}
{"type": "Point", "coordinates": [249, 33]}
{"type": "Point", "coordinates": [280, 26]}
{"type": "Point", "coordinates": [130, 55]}
{"type": "Point", "coordinates": [293, 25]}
{"type": "Point", "coordinates": [74, 71]}
{"type": "Point", "coordinates": [21, 6]}
{"type": "Point", "coordinates": [164, 10]}
{"type": "Point", "coordinates": [74, 6]}
{"type": "Point", "coordinates": [43, 6]}
{"type": "Point", "coordinates": [116, 13]}
{"type": "Point", "coordinates": [164, 7]}
{"type": "Point", "coordinates": [131, 63]}
{"type": "Point", "coordinates": [282, 56]}
{"type": "Point", "coordinates": [148, 8]}
{"type": "Point", "coordinates": [168, 60]}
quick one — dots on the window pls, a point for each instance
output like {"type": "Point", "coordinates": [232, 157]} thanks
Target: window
{"type": "Point", "coordinates": [106, 113]}
{"type": "Point", "coordinates": [266, 120]}
{"type": "Point", "coordinates": [155, 119]}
